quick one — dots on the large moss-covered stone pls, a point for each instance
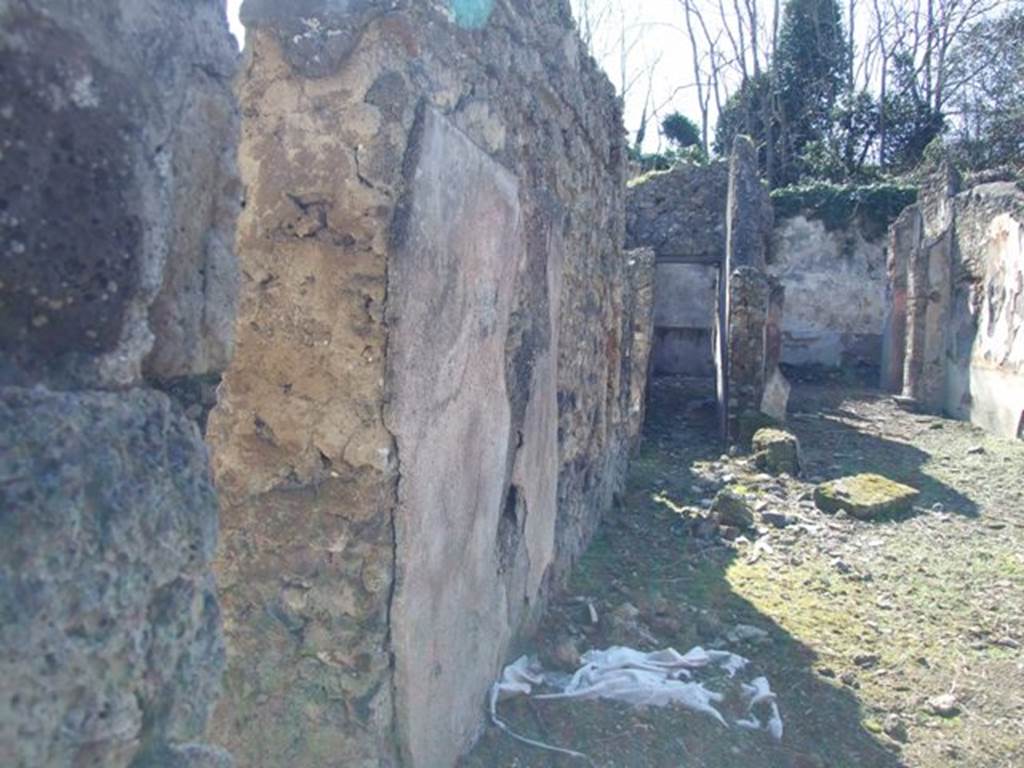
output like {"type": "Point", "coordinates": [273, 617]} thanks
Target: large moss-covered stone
{"type": "Point", "coordinates": [864, 496]}
{"type": "Point", "coordinates": [776, 451]}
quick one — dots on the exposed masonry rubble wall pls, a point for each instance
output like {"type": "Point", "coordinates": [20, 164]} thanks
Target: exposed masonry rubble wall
{"type": "Point", "coordinates": [681, 215]}
{"type": "Point", "coordinates": [118, 199]}
{"type": "Point", "coordinates": [955, 316]}
{"type": "Point", "coordinates": [749, 304]}
{"type": "Point", "coordinates": [834, 278]}
{"type": "Point", "coordinates": [441, 356]}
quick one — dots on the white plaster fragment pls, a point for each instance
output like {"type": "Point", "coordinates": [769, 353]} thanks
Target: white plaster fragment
{"type": "Point", "coordinates": [83, 93]}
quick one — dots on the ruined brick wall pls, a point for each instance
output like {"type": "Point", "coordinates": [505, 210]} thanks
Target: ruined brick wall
{"type": "Point", "coordinates": [955, 331]}
{"type": "Point", "coordinates": [439, 371]}
{"type": "Point", "coordinates": [118, 197]}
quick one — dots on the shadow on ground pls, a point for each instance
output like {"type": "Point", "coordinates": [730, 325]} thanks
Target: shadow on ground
{"type": "Point", "coordinates": [840, 438]}
{"type": "Point", "coordinates": [645, 557]}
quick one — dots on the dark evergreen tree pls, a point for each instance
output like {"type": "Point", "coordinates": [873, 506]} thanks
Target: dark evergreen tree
{"type": "Point", "coordinates": [811, 63]}
{"type": "Point", "coordinates": [680, 130]}
{"type": "Point", "coordinates": [790, 107]}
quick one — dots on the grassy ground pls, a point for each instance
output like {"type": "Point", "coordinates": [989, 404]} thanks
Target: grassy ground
{"type": "Point", "coordinates": [867, 622]}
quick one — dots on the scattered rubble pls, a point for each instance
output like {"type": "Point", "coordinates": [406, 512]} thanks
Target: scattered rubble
{"type": "Point", "coordinates": [731, 508]}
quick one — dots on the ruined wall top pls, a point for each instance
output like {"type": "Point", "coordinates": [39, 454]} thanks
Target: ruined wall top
{"type": "Point", "coordinates": [939, 187]}
{"type": "Point", "coordinates": [680, 213]}
{"type": "Point", "coordinates": [749, 218]}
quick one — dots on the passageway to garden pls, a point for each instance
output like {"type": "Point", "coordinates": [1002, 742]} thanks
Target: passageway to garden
{"type": "Point", "coordinates": [893, 641]}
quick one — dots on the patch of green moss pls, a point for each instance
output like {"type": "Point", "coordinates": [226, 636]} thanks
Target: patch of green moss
{"type": "Point", "coordinates": [644, 177]}
{"type": "Point", "coordinates": [864, 496]}
{"type": "Point", "coordinates": [836, 206]}
{"type": "Point", "coordinates": [776, 451]}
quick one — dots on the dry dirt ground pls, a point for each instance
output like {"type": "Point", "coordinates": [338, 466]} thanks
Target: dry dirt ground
{"type": "Point", "coordinates": [866, 622]}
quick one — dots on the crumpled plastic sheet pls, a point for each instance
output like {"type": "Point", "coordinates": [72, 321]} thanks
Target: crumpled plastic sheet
{"type": "Point", "coordinates": [655, 679]}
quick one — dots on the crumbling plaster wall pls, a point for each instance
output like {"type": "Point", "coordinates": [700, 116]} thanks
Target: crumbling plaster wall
{"type": "Point", "coordinates": [955, 331]}
{"type": "Point", "coordinates": [442, 349]}
{"type": "Point", "coordinates": [118, 197]}
{"type": "Point", "coordinates": [835, 292]}
{"type": "Point", "coordinates": [834, 278]}
{"type": "Point", "coordinates": [985, 376]}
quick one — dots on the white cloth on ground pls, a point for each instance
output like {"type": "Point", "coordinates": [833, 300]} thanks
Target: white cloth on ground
{"type": "Point", "coordinates": [654, 679]}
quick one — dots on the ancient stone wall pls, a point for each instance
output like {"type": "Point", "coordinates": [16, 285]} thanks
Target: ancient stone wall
{"type": "Point", "coordinates": [682, 213]}
{"type": "Point", "coordinates": [118, 198]}
{"type": "Point", "coordinates": [957, 290]}
{"type": "Point", "coordinates": [442, 348]}
{"type": "Point", "coordinates": [985, 380]}
{"type": "Point", "coordinates": [749, 304]}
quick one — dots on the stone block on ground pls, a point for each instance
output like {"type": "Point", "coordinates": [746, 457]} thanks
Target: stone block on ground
{"type": "Point", "coordinates": [864, 496]}
{"type": "Point", "coordinates": [776, 451]}
{"type": "Point", "coordinates": [732, 509]}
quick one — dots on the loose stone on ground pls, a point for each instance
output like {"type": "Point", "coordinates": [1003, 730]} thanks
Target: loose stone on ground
{"type": "Point", "coordinates": [864, 496]}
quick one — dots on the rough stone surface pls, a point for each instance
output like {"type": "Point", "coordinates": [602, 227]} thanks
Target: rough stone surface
{"type": "Point", "coordinates": [749, 214]}
{"type": "Point", "coordinates": [731, 508]}
{"type": "Point", "coordinates": [864, 496]}
{"type": "Point", "coordinates": [754, 313]}
{"type": "Point", "coordinates": [776, 451]}
{"type": "Point", "coordinates": [680, 213]}
{"type": "Point", "coordinates": [954, 336]}
{"type": "Point", "coordinates": [904, 235]}
{"type": "Point", "coordinates": [130, 200]}
{"type": "Point", "coordinates": [110, 635]}
{"type": "Point", "coordinates": [117, 206]}
{"type": "Point", "coordinates": [433, 281]}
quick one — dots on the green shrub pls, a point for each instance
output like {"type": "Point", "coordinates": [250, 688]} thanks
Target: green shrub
{"type": "Point", "coordinates": [836, 206]}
